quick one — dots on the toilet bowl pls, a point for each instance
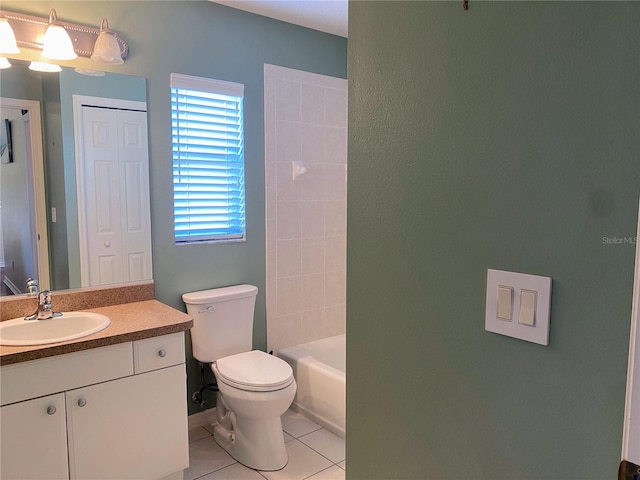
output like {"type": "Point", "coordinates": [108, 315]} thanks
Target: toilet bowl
{"type": "Point", "coordinates": [255, 388]}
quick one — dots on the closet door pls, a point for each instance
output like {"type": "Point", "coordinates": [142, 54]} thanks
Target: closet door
{"type": "Point", "coordinates": [115, 196]}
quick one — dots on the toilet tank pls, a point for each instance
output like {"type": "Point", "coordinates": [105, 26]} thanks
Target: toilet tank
{"type": "Point", "coordinates": [222, 321]}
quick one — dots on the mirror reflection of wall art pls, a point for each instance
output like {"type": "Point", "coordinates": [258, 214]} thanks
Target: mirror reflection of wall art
{"type": "Point", "coordinates": [6, 146]}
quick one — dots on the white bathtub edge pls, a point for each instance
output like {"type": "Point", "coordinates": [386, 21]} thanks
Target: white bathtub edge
{"type": "Point", "coordinates": [321, 388]}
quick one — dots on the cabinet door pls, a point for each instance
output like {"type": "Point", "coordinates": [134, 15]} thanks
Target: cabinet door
{"type": "Point", "coordinates": [34, 440]}
{"type": "Point", "coordinates": [131, 428]}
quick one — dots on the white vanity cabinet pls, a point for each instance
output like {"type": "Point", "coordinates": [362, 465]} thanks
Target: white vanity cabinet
{"type": "Point", "coordinates": [120, 413]}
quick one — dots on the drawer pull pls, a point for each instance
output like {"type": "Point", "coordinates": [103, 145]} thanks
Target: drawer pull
{"type": "Point", "coordinates": [162, 353]}
{"type": "Point", "coordinates": [82, 402]}
{"type": "Point", "coordinates": [51, 410]}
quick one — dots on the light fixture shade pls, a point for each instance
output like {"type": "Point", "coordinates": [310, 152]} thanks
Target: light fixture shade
{"type": "Point", "coordinates": [57, 44]}
{"type": "Point", "coordinates": [7, 38]}
{"type": "Point", "coordinates": [4, 63]}
{"type": "Point", "coordinates": [44, 67]}
{"type": "Point", "coordinates": [107, 48]}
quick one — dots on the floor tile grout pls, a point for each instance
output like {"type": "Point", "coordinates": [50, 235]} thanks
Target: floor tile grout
{"type": "Point", "coordinates": [319, 453]}
{"type": "Point", "coordinates": [330, 466]}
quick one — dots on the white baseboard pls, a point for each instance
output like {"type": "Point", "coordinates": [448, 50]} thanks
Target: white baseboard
{"type": "Point", "coordinates": [200, 419]}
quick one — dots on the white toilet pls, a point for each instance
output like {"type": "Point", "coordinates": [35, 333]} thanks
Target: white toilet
{"type": "Point", "coordinates": [255, 388]}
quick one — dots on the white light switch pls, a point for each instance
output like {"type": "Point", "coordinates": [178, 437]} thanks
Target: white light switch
{"type": "Point", "coordinates": [518, 305]}
{"type": "Point", "coordinates": [527, 314]}
{"type": "Point", "coordinates": [505, 303]}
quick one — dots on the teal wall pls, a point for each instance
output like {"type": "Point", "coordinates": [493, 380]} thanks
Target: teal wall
{"type": "Point", "coordinates": [16, 82]}
{"type": "Point", "coordinates": [210, 40]}
{"type": "Point", "coordinates": [54, 179]}
{"type": "Point", "coordinates": [506, 137]}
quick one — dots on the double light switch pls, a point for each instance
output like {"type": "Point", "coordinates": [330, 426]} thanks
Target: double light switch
{"type": "Point", "coordinates": [527, 311]}
{"type": "Point", "coordinates": [518, 305]}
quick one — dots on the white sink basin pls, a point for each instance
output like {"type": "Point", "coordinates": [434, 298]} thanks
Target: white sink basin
{"type": "Point", "coordinates": [68, 326]}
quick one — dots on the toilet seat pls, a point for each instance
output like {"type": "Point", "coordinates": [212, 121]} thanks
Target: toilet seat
{"type": "Point", "coordinates": [255, 371]}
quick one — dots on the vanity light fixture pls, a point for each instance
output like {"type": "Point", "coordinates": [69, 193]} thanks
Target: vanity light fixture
{"type": "Point", "coordinates": [4, 63]}
{"type": "Point", "coordinates": [7, 37]}
{"type": "Point", "coordinates": [69, 41]}
{"type": "Point", "coordinates": [44, 67]}
{"type": "Point", "coordinates": [57, 44]}
{"type": "Point", "coordinates": [106, 49]}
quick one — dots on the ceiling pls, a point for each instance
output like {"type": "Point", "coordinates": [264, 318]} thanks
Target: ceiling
{"type": "Point", "coordinates": [325, 15]}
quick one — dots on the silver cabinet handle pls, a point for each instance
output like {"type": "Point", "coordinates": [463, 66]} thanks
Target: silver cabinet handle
{"type": "Point", "coordinates": [162, 353]}
{"type": "Point", "coordinates": [82, 402]}
{"type": "Point", "coordinates": [51, 410]}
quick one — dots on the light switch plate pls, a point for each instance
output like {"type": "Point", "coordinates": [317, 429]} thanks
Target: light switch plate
{"type": "Point", "coordinates": [536, 333]}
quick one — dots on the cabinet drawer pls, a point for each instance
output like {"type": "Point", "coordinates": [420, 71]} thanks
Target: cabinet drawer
{"type": "Point", "coordinates": [158, 352]}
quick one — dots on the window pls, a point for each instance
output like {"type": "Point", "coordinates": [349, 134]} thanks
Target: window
{"type": "Point", "coordinates": [208, 160]}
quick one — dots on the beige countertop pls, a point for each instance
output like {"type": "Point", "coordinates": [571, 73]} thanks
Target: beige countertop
{"type": "Point", "coordinates": [129, 322]}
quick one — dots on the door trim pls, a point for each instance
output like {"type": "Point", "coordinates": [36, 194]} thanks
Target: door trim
{"type": "Point", "coordinates": [631, 432]}
{"type": "Point", "coordinates": [41, 242]}
{"type": "Point", "coordinates": [80, 101]}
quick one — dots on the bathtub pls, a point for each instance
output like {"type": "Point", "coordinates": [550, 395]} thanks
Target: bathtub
{"type": "Point", "coordinates": [319, 368]}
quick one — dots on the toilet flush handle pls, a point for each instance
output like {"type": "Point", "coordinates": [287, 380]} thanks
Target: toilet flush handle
{"type": "Point", "coordinates": [207, 310]}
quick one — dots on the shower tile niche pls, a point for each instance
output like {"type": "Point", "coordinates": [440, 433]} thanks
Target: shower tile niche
{"type": "Point", "coordinates": [306, 205]}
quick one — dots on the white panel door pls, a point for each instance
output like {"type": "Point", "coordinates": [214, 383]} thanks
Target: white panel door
{"type": "Point", "coordinates": [34, 440]}
{"type": "Point", "coordinates": [131, 428]}
{"type": "Point", "coordinates": [134, 189]}
{"type": "Point", "coordinates": [102, 195]}
{"type": "Point", "coordinates": [116, 196]}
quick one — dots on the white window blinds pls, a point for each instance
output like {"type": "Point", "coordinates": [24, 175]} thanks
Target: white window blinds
{"type": "Point", "coordinates": [208, 159]}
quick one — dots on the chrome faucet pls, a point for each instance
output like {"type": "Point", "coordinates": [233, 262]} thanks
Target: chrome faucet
{"type": "Point", "coordinates": [32, 287]}
{"type": "Point", "coordinates": [45, 308]}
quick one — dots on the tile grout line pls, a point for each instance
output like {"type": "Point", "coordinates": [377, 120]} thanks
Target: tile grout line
{"type": "Point", "coordinates": [324, 469]}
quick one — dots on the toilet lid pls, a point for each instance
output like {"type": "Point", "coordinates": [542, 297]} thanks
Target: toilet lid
{"type": "Point", "coordinates": [255, 370]}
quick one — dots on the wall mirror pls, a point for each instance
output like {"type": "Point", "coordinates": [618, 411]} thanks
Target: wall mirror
{"type": "Point", "coordinates": [42, 211]}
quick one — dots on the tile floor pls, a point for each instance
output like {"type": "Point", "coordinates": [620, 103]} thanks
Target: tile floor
{"type": "Point", "coordinates": [314, 454]}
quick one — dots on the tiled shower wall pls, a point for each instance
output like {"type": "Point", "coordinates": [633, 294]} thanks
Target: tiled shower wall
{"type": "Point", "coordinates": [306, 204]}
